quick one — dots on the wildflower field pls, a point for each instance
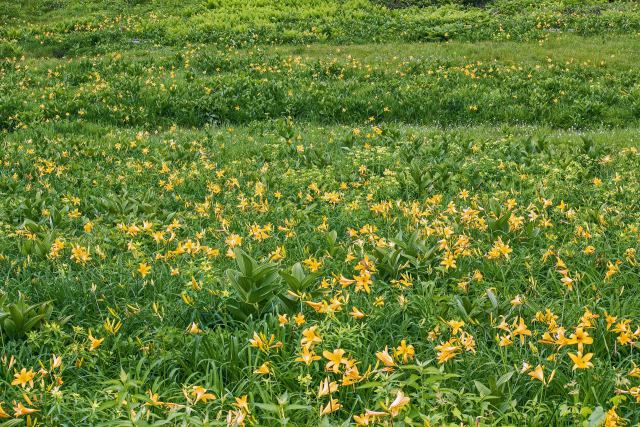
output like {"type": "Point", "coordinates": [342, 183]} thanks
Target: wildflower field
{"type": "Point", "coordinates": [319, 213]}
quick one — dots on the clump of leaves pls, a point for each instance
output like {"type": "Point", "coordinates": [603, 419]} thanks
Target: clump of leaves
{"type": "Point", "coordinates": [299, 283]}
{"type": "Point", "coordinates": [19, 318]}
{"type": "Point", "coordinates": [255, 286]}
{"type": "Point", "coordinates": [406, 253]}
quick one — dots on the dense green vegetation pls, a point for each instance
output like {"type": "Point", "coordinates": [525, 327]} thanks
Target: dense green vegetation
{"type": "Point", "coordinates": [62, 28]}
{"type": "Point", "coordinates": [399, 213]}
{"type": "Point", "coordinates": [202, 86]}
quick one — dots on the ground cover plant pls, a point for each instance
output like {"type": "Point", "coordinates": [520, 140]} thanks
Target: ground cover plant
{"type": "Point", "coordinates": [394, 213]}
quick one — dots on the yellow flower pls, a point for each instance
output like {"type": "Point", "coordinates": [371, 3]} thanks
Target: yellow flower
{"type": "Point", "coordinates": [23, 377]}
{"type": "Point", "coordinates": [363, 281]}
{"type": "Point", "coordinates": [362, 420]}
{"type": "Point", "coordinates": [448, 261]}
{"type": "Point", "coordinates": [3, 414]}
{"type": "Point", "coordinates": [455, 326]}
{"type": "Point", "coordinates": [309, 337]}
{"type": "Point", "coordinates": [568, 282]}
{"type": "Point", "coordinates": [504, 340]}
{"type": "Point", "coordinates": [521, 330]}
{"type": "Point", "coordinates": [201, 394]}
{"type": "Point", "coordinates": [351, 374]}
{"type": "Point", "coordinates": [385, 358]}
{"type": "Point", "coordinates": [499, 249]}
{"type": "Point", "coordinates": [327, 387]}
{"type": "Point", "coordinates": [80, 255]}
{"type": "Point", "coordinates": [368, 418]}
{"type": "Point", "coordinates": [561, 339]}
{"type": "Point", "coordinates": [263, 344]}
{"type": "Point", "coordinates": [334, 358]}
{"type": "Point", "coordinates": [405, 351]}
{"type": "Point", "coordinates": [278, 255]}
{"type": "Point", "coordinates": [283, 319]}
{"type": "Point", "coordinates": [612, 419]}
{"type": "Point", "coordinates": [307, 356]}
{"type": "Point", "coordinates": [233, 240]}
{"type": "Point", "coordinates": [398, 404]}
{"type": "Point", "coordinates": [154, 399]}
{"type": "Point", "coordinates": [20, 410]}
{"type": "Point", "coordinates": [581, 337]}
{"type": "Point", "coordinates": [236, 418]}
{"type": "Point", "coordinates": [537, 374]}
{"type": "Point", "coordinates": [194, 328]}
{"type": "Point", "coordinates": [609, 319]}
{"type": "Point", "coordinates": [263, 369]}
{"type": "Point", "coordinates": [241, 403]}
{"type": "Point", "coordinates": [95, 342]}
{"type": "Point", "coordinates": [635, 372]}
{"type": "Point", "coordinates": [312, 264]}
{"type": "Point", "coordinates": [299, 319]}
{"type": "Point", "coordinates": [330, 407]}
{"type": "Point", "coordinates": [144, 269]}
{"type": "Point", "coordinates": [112, 326]}
{"type": "Point", "coordinates": [580, 361]}
{"type": "Point", "coordinates": [447, 350]}
{"type": "Point", "coordinates": [356, 313]}
{"type": "Point", "coordinates": [468, 342]}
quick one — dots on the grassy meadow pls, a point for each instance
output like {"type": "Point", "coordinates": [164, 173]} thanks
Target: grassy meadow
{"type": "Point", "coordinates": [319, 213]}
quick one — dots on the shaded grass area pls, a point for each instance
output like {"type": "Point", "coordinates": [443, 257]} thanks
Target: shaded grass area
{"type": "Point", "coordinates": [569, 82]}
{"type": "Point", "coordinates": [63, 28]}
{"type": "Point", "coordinates": [618, 52]}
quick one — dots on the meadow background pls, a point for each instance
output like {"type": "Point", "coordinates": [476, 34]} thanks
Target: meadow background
{"type": "Point", "coordinates": [297, 212]}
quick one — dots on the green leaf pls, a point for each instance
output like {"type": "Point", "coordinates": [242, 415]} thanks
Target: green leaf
{"type": "Point", "coordinates": [12, 423]}
{"type": "Point", "coordinates": [31, 323]}
{"type": "Point", "coordinates": [482, 389]}
{"type": "Point", "coordinates": [16, 315]}
{"type": "Point", "coordinates": [597, 417]}
{"type": "Point", "coordinates": [370, 384]}
{"type": "Point", "coordinates": [492, 298]}
{"type": "Point", "coordinates": [270, 407]}
{"type": "Point", "coordinates": [298, 407]}
{"type": "Point", "coordinates": [505, 378]}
